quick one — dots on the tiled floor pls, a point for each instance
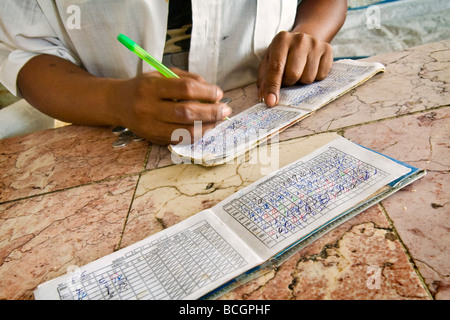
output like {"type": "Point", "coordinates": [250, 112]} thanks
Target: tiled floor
{"type": "Point", "coordinates": [67, 197]}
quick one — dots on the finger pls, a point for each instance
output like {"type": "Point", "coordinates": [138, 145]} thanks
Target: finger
{"type": "Point", "coordinates": [310, 71]}
{"type": "Point", "coordinates": [187, 112]}
{"type": "Point", "coordinates": [275, 69]}
{"type": "Point", "coordinates": [260, 80]}
{"type": "Point", "coordinates": [188, 134]}
{"type": "Point", "coordinates": [326, 61]}
{"type": "Point", "coordinates": [318, 64]}
{"type": "Point", "coordinates": [170, 133]}
{"type": "Point", "coordinates": [189, 89]}
{"type": "Point", "coordinates": [179, 72]}
{"type": "Point", "coordinates": [185, 74]}
{"type": "Point", "coordinates": [297, 58]}
{"type": "Point", "coordinates": [295, 66]}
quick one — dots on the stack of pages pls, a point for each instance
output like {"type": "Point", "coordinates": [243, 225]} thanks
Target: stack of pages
{"type": "Point", "coordinates": [245, 235]}
{"type": "Point", "coordinates": [255, 125]}
{"type": "Point", "coordinates": [256, 229]}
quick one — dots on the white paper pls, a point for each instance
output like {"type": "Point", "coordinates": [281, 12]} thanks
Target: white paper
{"type": "Point", "coordinates": [253, 126]}
{"type": "Point", "coordinates": [199, 254]}
{"type": "Point", "coordinates": [185, 261]}
{"type": "Point", "coordinates": [296, 200]}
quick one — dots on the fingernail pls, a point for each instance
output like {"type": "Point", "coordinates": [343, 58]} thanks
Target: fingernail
{"type": "Point", "coordinates": [271, 100]}
{"type": "Point", "coordinates": [226, 111]}
{"type": "Point", "coordinates": [219, 94]}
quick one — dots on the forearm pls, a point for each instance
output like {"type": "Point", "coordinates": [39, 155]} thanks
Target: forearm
{"type": "Point", "coordinates": [321, 19]}
{"type": "Point", "coordinates": [66, 92]}
{"type": "Point", "coordinates": [150, 105]}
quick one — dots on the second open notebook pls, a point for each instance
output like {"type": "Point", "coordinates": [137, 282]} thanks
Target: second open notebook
{"type": "Point", "coordinates": [248, 129]}
{"type": "Point", "coordinates": [252, 230]}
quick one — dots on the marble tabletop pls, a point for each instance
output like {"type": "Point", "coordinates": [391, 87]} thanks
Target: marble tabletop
{"type": "Point", "coordinates": [67, 197]}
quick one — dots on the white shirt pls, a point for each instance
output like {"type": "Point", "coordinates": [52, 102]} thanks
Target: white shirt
{"type": "Point", "coordinates": [228, 38]}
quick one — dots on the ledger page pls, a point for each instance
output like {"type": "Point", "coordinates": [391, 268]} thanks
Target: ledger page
{"type": "Point", "coordinates": [185, 261]}
{"type": "Point", "coordinates": [307, 195]}
{"type": "Point", "coordinates": [246, 130]}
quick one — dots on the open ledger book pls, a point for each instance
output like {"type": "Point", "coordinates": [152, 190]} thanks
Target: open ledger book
{"type": "Point", "coordinates": [255, 125]}
{"type": "Point", "coordinates": [245, 235]}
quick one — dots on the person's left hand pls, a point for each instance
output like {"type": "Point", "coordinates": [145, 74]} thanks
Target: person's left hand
{"type": "Point", "coordinates": [291, 58]}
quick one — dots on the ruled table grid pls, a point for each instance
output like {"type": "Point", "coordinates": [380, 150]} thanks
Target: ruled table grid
{"type": "Point", "coordinates": [300, 194]}
{"type": "Point", "coordinates": [170, 268]}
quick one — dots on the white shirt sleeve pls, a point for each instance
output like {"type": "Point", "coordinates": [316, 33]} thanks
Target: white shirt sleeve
{"type": "Point", "coordinates": [25, 33]}
{"type": "Point", "coordinates": [227, 42]}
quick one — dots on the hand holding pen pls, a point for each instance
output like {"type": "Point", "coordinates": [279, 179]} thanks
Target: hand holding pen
{"type": "Point", "coordinates": [157, 103]}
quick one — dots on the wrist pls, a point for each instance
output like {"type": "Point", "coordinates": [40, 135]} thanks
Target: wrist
{"type": "Point", "coordinates": [116, 101]}
{"type": "Point", "coordinates": [310, 31]}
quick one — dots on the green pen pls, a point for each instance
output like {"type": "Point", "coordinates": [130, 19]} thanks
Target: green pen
{"type": "Point", "coordinates": [144, 55]}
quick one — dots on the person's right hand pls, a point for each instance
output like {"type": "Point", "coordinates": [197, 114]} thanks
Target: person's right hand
{"type": "Point", "coordinates": [153, 106]}
{"type": "Point", "coordinates": [150, 105]}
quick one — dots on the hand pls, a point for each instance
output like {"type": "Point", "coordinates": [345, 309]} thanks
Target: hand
{"type": "Point", "coordinates": [153, 106]}
{"type": "Point", "coordinates": [291, 58]}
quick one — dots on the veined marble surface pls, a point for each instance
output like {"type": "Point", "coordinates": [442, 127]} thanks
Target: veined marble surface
{"type": "Point", "coordinates": [67, 197]}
